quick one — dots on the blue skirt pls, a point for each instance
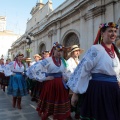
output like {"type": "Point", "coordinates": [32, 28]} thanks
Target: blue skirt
{"type": "Point", "coordinates": [101, 101]}
{"type": "Point", "coordinates": [17, 85]}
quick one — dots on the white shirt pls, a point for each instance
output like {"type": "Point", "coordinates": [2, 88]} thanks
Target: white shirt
{"type": "Point", "coordinates": [96, 60]}
{"type": "Point", "coordinates": [37, 71]}
{"type": "Point", "coordinates": [72, 64]}
{"type": "Point", "coordinates": [13, 67]}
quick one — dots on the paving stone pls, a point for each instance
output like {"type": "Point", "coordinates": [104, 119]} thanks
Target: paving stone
{"type": "Point", "coordinates": [28, 111]}
{"type": "Point", "coordinates": [32, 116]}
{"type": "Point", "coordinates": [18, 117]}
{"type": "Point", "coordinates": [7, 112]}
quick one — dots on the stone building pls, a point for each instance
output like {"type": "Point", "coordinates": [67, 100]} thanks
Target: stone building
{"type": "Point", "coordinates": [73, 22]}
{"type": "Point", "coordinates": [7, 37]}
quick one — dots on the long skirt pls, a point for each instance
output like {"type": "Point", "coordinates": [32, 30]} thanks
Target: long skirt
{"type": "Point", "coordinates": [1, 77]}
{"type": "Point", "coordinates": [5, 80]}
{"type": "Point", "coordinates": [17, 85]}
{"type": "Point", "coordinates": [101, 101]}
{"type": "Point", "coordinates": [54, 100]}
{"type": "Point", "coordinates": [37, 90]}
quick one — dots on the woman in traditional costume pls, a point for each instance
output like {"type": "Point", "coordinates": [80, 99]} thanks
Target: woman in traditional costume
{"type": "Point", "coordinates": [5, 78]}
{"type": "Point", "coordinates": [73, 61]}
{"type": "Point", "coordinates": [98, 75]}
{"type": "Point", "coordinates": [1, 72]}
{"type": "Point", "coordinates": [35, 85]}
{"type": "Point", "coordinates": [17, 85]}
{"type": "Point", "coordinates": [54, 97]}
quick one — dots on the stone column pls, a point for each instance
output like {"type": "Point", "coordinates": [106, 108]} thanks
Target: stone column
{"type": "Point", "coordinates": [58, 32]}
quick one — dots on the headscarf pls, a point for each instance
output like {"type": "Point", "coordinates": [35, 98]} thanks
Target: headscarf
{"type": "Point", "coordinates": [98, 38]}
{"type": "Point", "coordinates": [58, 47]}
{"type": "Point", "coordinates": [20, 63]}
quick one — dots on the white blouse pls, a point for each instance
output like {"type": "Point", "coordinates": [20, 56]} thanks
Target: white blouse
{"type": "Point", "coordinates": [38, 70]}
{"type": "Point", "coordinates": [71, 66]}
{"type": "Point", "coordinates": [96, 60]}
{"type": "Point", "coordinates": [13, 67]}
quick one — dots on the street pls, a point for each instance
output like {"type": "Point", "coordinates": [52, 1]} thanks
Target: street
{"type": "Point", "coordinates": [27, 112]}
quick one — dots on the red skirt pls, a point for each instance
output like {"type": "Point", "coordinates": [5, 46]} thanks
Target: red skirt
{"type": "Point", "coordinates": [54, 100]}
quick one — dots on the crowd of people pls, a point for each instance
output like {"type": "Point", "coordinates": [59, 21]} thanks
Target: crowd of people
{"type": "Point", "coordinates": [90, 87]}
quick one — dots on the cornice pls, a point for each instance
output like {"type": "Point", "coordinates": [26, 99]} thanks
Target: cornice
{"type": "Point", "coordinates": [20, 41]}
{"type": "Point", "coordinates": [56, 20]}
{"type": "Point", "coordinates": [77, 8]}
{"type": "Point", "coordinates": [52, 32]}
{"type": "Point", "coordinates": [99, 10]}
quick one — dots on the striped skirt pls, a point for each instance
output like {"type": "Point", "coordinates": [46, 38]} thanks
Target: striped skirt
{"type": "Point", "coordinates": [54, 100]}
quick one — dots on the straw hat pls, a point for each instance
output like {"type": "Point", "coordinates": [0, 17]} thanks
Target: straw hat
{"type": "Point", "coordinates": [74, 48]}
{"type": "Point", "coordinates": [28, 60]}
{"type": "Point", "coordinates": [19, 54]}
{"type": "Point", "coordinates": [37, 55]}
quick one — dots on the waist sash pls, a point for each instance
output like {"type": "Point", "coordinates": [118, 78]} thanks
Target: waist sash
{"type": "Point", "coordinates": [55, 75]}
{"type": "Point", "coordinates": [19, 73]}
{"type": "Point", "coordinates": [103, 77]}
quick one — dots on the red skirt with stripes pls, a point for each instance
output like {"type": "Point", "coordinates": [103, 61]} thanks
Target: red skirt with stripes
{"type": "Point", "coordinates": [54, 100]}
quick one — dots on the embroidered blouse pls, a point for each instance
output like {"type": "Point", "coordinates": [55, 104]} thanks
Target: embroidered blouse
{"type": "Point", "coordinates": [38, 70]}
{"type": "Point", "coordinates": [96, 60]}
{"type": "Point", "coordinates": [13, 67]}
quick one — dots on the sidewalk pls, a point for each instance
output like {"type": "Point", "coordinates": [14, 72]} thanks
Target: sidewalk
{"type": "Point", "coordinates": [27, 112]}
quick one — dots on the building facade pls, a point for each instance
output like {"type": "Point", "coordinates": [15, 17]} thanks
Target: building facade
{"type": "Point", "coordinates": [7, 37]}
{"type": "Point", "coordinates": [73, 22]}
{"type": "Point", "coordinates": [2, 23]}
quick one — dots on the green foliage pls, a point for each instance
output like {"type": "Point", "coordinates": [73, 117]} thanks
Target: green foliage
{"type": "Point", "coordinates": [29, 50]}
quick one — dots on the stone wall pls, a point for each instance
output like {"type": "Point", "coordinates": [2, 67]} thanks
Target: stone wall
{"type": "Point", "coordinates": [74, 19]}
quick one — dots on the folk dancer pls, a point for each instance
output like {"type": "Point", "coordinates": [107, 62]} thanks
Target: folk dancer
{"type": "Point", "coordinates": [98, 75]}
{"type": "Point", "coordinates": [17, 85]}
{"type": "Point", "coordinates": [54, 97]}
{"type": "Point", "coordinates": [72, 62]}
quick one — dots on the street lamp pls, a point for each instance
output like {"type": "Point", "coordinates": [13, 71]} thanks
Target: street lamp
{"type": "Point", "coordinates": [29, 41]}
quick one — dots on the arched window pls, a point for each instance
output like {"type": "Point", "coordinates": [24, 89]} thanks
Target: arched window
{"type": "Point", "coordinates": [70, 39]}
{"type": "Point", "coordinates": [42, 48]}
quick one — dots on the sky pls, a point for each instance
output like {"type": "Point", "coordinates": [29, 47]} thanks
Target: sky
{"type": "Point", "coordinates": [17, 12]}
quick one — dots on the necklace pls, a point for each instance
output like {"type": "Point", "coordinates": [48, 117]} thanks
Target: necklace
{"type": "Point", "coordinates": [57, 61]}
{"type": "Point", "coordinates": [108, 50]}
